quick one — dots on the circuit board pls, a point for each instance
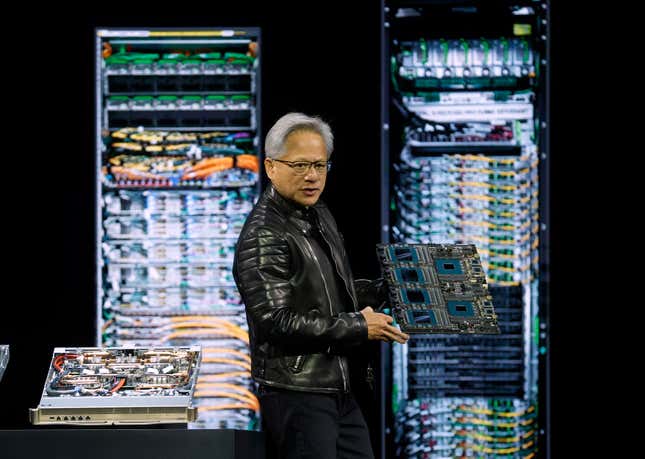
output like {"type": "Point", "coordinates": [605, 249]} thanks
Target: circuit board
{"type": "Point", "coordinates": [438, 288]}
{"type": "Point", "coordinates": [119, 385]}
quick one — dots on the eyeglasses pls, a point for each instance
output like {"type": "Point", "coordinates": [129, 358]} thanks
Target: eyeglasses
{"type": "Point", "coordinates": [302, 167]}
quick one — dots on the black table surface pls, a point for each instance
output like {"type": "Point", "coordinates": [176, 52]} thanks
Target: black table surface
{"type": "Point", "coordinates": [113, 443]}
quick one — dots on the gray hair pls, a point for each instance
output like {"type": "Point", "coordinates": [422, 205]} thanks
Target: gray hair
{"type": "Point", "coordinates": [292, 122]}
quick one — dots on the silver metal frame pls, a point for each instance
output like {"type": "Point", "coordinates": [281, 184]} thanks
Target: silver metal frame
{"type": "Point", "coordinates": [96, 410]}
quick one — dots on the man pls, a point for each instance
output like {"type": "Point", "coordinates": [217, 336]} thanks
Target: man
{"type": "Point", "coordinates": [302, 306]}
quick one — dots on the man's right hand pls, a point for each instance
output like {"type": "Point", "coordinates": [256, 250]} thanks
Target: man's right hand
{"type": "Point", "coordinates": [378, 327]}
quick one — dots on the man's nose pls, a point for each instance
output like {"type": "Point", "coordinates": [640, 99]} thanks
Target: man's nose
{"type": "Point", "coordinates": [312, 174]}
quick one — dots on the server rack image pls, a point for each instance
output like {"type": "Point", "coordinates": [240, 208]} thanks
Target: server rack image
{"type": "Point", "coordinates": [177, 128]}
{"type": "Point", "coordinates": [464, 149]}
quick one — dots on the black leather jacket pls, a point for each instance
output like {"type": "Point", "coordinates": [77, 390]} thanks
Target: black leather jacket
{"type": "Point", "coordinates": [300, 339]}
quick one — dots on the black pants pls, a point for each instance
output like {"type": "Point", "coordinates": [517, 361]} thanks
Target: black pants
{"type": "Point", "coordinates": [312, 425]}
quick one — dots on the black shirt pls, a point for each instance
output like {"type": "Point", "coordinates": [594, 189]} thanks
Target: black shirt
{"type": "Point", "coordinates": [338, 293]}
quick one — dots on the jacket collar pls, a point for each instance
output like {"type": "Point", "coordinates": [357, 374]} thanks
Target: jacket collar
{"type": "Point", "coordinates": [291, 208]}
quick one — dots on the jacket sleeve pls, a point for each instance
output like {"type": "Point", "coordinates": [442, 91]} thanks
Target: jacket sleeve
{"type": "Point", "coordinates": [372, 293]}
{"type": "Point", "coordinates": [263, 273]}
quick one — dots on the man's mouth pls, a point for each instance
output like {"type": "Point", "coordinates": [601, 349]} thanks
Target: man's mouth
{"type": "Point", "coordinates": [310, 191]}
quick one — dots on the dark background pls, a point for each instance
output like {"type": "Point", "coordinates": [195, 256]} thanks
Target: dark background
{"type": "Point", "coordinates": [319, 58]}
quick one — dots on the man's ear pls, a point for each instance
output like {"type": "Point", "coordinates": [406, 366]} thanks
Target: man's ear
{"type": "Point", "coordinates": [268, 167]}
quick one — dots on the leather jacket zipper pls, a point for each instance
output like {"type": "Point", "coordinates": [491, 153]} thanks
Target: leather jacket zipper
{"type": "Point", "coordinates": [297, 366]}
{"type": "Point", "coordinates": [331, 252]}
{"type": "Point", "coordinates": [331, 311]}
